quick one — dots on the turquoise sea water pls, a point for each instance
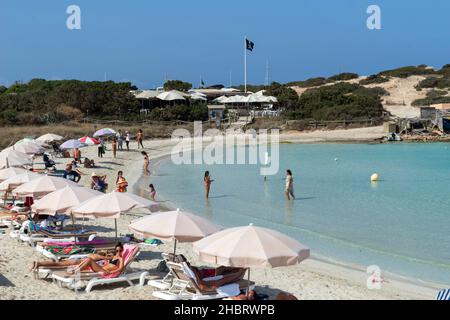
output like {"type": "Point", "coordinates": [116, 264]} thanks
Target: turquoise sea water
{"type": "Point", "coordinates": [401, 223]}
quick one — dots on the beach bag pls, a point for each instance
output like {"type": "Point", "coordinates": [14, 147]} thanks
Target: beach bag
{"type": "Point", "coordinates": [162, 267]}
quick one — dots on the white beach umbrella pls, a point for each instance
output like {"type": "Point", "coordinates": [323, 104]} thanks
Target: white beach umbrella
{"type": "Point", "coordinates": [30, 148]}
{"type": "Point", "coordinates": [11, 172]}
{"type": "Point", "coordinates": [40, 187]}
{"type": "Point", "coordinates": [72, 144]}
{"type": "Point", "coordinates": [222, 99]}
{"type": "Point", "coordinates": [198, 97]}
{"type": "Point", "coordinates": [18, 180]}
{"type": "Point", "coordinates": [49, 137]}
{"type": "Point", "coordinates": [30, 140]}
{"type": "Point", "coordinates": [173, 226]}
{"type": "Point", "coordinates": [249, 247]}
{"type": "Point", "coordinates": [170, 96]}
{"type": "Point", "coordinates": [14, 158]}
{"type": "Point", "coordinates": [63, 200]}
{"type": "Point", "coordinates": [112, 205]}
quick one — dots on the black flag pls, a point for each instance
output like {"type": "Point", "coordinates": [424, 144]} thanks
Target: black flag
{"type": "Point", "coordinates": [249, 45]}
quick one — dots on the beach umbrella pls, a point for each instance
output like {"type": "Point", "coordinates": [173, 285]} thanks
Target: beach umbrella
{"type": "Point", "coordinates": [173, 226]}
{"type": "Point", "coordinates": [170, 96]}
{"type": "Point", "coordinates": [62, 200]}
{"type": "Point", "coordinates": [112, 205]}
{"type": "Point", "coordinates": [10, 172]}
{"type": "Point", "coordinates": [13, 158]}
{"type": "Point", "coordinates": [18, 180]}
{"type": "Point", "coordinates": [40, 187]}
{"type": "Point", "coordinates": [250, 247]}
{"type": "Point", "coordinates": [28, 147]}
{"type": "Point", "coordinates": [72, 144]}
{"type": "Point", "coordinates": [104, 132]}
{"type": "Point", "coordinates": [198, 97]}
{"type": "Point", "coordinates": [89, 141]}
{"type": "Point", "coordinates": [49, 137]}
{"type": "Point", "coordinates": [30, 140]}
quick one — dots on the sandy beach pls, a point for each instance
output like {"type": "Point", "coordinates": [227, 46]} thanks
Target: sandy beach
{"type": "Point", "coordinates": [311, 279]}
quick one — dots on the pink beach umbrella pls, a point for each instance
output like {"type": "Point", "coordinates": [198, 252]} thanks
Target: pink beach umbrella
{"type": "Point", "coordinates": [173, 225]}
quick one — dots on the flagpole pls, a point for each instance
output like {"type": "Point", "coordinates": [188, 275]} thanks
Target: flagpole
{"type": "Point", "coordinates": [245, 63]}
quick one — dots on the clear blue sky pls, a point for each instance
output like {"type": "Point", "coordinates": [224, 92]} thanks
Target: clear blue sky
{"type": "Point", "coordinates": [144, 41]}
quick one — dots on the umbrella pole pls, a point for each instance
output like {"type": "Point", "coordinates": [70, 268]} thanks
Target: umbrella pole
{"type": "Point", "coordinates": [115, 224]}
{"type": "Point", "coordinates": [174, 248]}
{"type": "Point", "coordinates": [248, 284]}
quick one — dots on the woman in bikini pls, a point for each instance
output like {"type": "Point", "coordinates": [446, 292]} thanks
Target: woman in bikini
{"type": "Point", "coordinates": [112, 264]}
{"type": "Point", "coordinates": [207, 180]}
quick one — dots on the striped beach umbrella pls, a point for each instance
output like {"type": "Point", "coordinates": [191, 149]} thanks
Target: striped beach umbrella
{"type": "Point", "coordinates": [89, 141]}
{"type": "Point", "coordinates": [72, 144]}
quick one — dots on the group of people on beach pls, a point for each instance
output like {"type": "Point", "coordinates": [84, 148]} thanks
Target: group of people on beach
{"type": "Point", "coordinates": [117, 142]}
{"type": "Point", "coordinates": [289, 187]}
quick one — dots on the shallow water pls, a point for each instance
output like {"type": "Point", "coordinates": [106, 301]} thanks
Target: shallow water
{"type": "Point", "coordinates": [401, 223]}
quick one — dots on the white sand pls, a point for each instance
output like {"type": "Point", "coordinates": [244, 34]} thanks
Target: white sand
{"type": "Point", "coordinates": [312, 279]}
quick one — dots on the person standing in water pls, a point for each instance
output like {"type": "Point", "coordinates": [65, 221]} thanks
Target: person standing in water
{"type": "Point", "coordinates": [207, 180]}
{"type": "Point", "coordinates": [152, 192]}
{"type": "Point", "coordinates": [146, 162]}
{"type": "Point", "coordinates": [289, 190]}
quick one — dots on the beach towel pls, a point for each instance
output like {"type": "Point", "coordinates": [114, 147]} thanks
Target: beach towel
{"type": "Point", "coordinates": [70, 250]}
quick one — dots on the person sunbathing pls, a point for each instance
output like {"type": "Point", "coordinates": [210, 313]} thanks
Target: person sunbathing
{"type": "Point", "coordinates": [113, 264]}
{"type": "Point", "coordinates": [213, 278]}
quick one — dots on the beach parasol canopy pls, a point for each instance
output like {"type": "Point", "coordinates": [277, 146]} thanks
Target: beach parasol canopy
{"type": "Point", "coordinates": [13, 158]}
{"type": "Point", "coordinates": [11, 172]}
{"type": "Point", "coordinates": [112, 205]}
{"type": "Point", "coordinates": [72, 144]}
{"type": "Point", "coordinates": [170, 96]}
{"type": "Point", "coordinates": [18, 180]}
{"type": "Point", "coordinates": [89, 141]}
{"type": "Point", "coordinates": [173, 226]}
{"type": "Point", "coordinates": [49, 137]}
{"type": "Point", "coordinates": [63, 200]}
{"type": "Point", "coordinates": [104, 132]}
{"type": "Point", "coordinates": [249, 247]}
{"type": "Point", "coordinates": [30, 148]}
{"type": "Point", "coordinates": [44, 185]}
{"type": "Point", "coordinates": [31, 140]}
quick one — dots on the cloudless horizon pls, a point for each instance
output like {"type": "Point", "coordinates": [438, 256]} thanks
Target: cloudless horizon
{"type": "Point", "coordinates": [146, 42]}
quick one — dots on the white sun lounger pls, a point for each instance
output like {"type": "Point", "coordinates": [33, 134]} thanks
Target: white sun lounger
{"type": "Point", "coordinates": [184, 286]}
{"type": "Point", "coordinates": [76, 281]}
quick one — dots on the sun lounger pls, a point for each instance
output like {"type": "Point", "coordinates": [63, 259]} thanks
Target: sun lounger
{"type": "Point", "coordinates": [187, 286]}
{"type": "Point", "coordinates": [166, 282]}
{"type": "Point", "coordinates": [75, 281]}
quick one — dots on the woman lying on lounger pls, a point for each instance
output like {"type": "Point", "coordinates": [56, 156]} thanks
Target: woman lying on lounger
{"type": "Point", "coordinates": [113, 264]}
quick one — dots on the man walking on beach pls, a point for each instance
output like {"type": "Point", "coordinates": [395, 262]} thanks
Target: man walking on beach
{"type": "Point", "coordinates": [120, 139]}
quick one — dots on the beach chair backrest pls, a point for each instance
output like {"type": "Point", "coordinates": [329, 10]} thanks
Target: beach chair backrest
{"type": "Point", "coordinates": [130, 252]}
